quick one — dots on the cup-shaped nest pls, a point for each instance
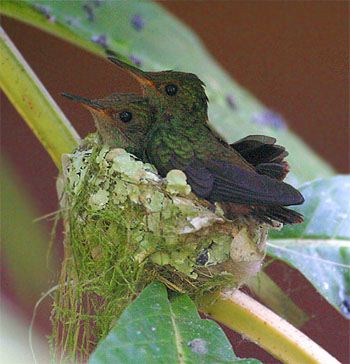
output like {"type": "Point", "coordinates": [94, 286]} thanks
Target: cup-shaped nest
{"type": "Point", "coordinates": [126, 226]}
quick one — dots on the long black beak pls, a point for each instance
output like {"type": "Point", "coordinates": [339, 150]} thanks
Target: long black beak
{"type": "Point", "coordinates": [82, 100]}
{"type": "Point", "coordinates": [142, 77]}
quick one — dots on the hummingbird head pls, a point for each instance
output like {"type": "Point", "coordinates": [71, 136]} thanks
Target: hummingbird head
{"type": "Point", "coordinates": [169, 91]}
{"type": "Point", "coordinates": [122, 120]}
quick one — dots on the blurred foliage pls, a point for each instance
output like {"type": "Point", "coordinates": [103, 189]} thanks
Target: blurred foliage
{"type": "Point", "coordinates": [320, 247]}
{"type": "Point", "coordinates": [14, 338]}
{"type": "Point", "coordinates": [25, 243]}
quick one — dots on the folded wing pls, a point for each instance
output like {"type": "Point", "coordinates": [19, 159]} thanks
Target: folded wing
{"type": "Point", "coordinates": [224, 182]}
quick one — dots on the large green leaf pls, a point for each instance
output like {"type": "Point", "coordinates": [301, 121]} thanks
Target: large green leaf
{"type": "Point", "coordinates": [156, 328]}
{"type": "Point", "coordinates": [320, 247]}
{"type": "Point", "coordinates": [149, 36]}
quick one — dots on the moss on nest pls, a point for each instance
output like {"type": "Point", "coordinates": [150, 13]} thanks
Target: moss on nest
{"type": "Point", "coordinates": [125, 227]}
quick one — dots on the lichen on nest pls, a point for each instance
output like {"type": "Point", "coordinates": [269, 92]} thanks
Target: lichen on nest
{"type": "Point", "coordinates": [124, 227]}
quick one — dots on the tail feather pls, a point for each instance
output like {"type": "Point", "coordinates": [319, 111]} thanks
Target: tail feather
{"type": "Point", "coordinates": [266, 214]}
{"type": "Point", "coordinates": [274, 170]}
{"type": "Point", "coordinates": [265, 154]}
{"type": "Point", "coordinates": [280, 214]}
{"type": "Point", "coordinates": [262, 152]}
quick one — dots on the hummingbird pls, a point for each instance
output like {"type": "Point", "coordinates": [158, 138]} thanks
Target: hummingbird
{"type": "Point", "coordinates": [246, 177]}
{"type": "Point", "coordinates": [121, 119]}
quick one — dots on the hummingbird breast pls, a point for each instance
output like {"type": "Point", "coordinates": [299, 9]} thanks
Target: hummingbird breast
{"type": "Point", "coordinates": [164, 146]}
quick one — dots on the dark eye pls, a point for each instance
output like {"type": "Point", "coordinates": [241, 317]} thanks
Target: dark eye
{"type": "Point", "coordinates": [125, 116]}
{"type": "Point", "coordinates": [171, 89]}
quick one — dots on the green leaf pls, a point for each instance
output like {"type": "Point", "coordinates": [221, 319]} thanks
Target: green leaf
{"type": "Point", "coordinates": [144, 32]}
{"type": "Point", "coordinates": [156, 328]}
{"type": "Point", "coordinates": [320, 247]}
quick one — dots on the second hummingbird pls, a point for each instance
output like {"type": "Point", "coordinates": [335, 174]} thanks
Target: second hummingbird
{"type": "Point", "coordinates": [121, 119]}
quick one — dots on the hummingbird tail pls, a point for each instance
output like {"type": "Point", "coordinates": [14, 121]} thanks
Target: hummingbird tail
{"type": "Point", "coordinates": [266, 214]}
{"type": "Point", "coordinates": [280, 214]}
{"type": "Point", "coordinates": [264, 154]}
{"type": "Point", "coordinates": [274, 170]}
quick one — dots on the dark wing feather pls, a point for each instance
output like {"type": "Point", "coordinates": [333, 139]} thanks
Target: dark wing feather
{"type": "Point", "coordinates": [251, 142]}
{"type": "Point", "coordinates": [223, 182]}
{"type": "Point", "coordinates": [200, 180]}
{"type": "Point", "coordinates": [273, 170]}
{"type": "Point", "coordinates": [280, 213]}
{"type": "Point", "coordinates": [256, 149]}
{"type": "Point", "coordinates": [265, 154]}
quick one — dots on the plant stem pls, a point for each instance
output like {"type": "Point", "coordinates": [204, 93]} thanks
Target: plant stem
{"type": "Point", "coordinates": [273, 297]}
{"type": "Point", "coordinates": [34, 103]}
{"type": "Point", "coordinates": [242, 313]}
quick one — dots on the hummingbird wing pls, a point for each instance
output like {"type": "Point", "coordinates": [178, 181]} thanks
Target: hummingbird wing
{"type": "Point", "coordinates": [200, 179]}
{"type": "Point", "coordinates": [220, 181]}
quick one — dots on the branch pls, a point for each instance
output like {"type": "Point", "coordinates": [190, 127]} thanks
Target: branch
{"type": "Point", "coordinates": [272, 296]}
{"type": "Point", "coordinates": [242, 313]}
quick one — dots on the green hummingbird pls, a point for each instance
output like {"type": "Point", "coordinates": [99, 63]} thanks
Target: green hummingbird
{"type": "Point", "coordinates": [121, 119]}
{"type": "Point", "coordinates": [246, 177]}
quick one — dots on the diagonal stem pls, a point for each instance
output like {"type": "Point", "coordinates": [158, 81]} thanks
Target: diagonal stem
{"type": "Point", "coordinates": [34, 103]}
{"type": "Point", "coordinates": [272, 296]}
{"type": "Point", "coordinates": [243, 314]}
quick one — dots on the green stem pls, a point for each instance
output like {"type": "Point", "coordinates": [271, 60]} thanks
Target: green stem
{"type": "Point", "coordinates": [282, 340]}
{"type": "Point", "coordinates": [273, 296]}
{"type": "Point", "coordinates": [34, 103]}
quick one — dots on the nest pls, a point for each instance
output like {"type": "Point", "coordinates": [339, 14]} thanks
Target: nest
{"type": "Point", "coordinates": [124, 227]}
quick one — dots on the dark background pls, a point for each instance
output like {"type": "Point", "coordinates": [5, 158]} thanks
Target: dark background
{"type": "Point", "coordinates": [292, 55]}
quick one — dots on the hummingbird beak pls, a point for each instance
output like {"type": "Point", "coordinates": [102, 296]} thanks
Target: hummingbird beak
{"type": "Point", "coordinates": [138, 74]}
{"type": "Point", "coordinates": [89, 104]}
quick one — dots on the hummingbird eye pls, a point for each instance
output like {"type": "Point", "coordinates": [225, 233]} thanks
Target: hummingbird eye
{"type": "Point", "coordinates": [125, 116]}
{"type": "Point", "coordinates": [171, 89]}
